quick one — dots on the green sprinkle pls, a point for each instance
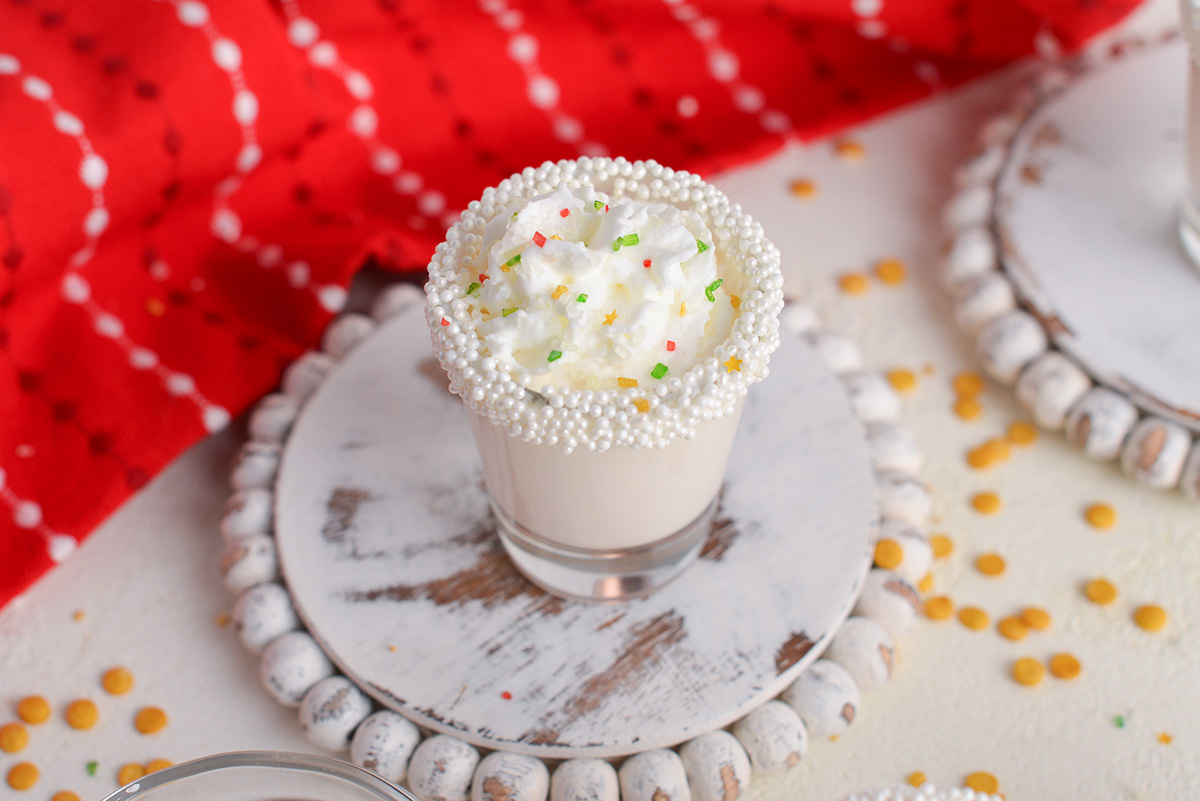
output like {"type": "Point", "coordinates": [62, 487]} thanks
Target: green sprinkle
{"type": "Point", "coordinates": [514, 260]}
{"type": "Point", "coordinates": [625, 241]}
{"type": "Point", "coordinates": [581, 299]}
{"type": "Point", "coordinates": [599, 204]}
{"type": "Point", "coordinates": [659, 370]}
{"type": "Point", "coordinates": [700, 246]}
{"type": "Point", "coordinates": [473, 287]}
{"type": "Point", "coordinates": [708, 290]}
{"type": "Point", "coordinates": [1119, 721]}
{"type": "Point", "coordinates": [91, 767]}
{"type": "Point", "coordinates": [554, 355]}
{"type": "Point", "coordinates": [507, 312]}
{"type": "Point", "coordinates": [514, 216]}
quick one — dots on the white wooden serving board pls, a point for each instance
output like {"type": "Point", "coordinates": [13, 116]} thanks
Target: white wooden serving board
{"type": "Point", "coordinates": [1086, 219]}
{"type": "Point", "coordinates": [388, 549]}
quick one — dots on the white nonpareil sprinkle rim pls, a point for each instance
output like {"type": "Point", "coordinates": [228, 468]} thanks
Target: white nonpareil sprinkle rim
{"type": "Point", "coordinates": [638, 417]}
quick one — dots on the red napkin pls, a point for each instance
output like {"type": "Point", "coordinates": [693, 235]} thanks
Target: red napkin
{"type": "Point", "coordinates": [187, 186]}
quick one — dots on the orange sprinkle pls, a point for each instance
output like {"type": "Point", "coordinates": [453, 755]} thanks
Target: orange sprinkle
{"type": "Point", "coordinates": [642, 405]}
{"type": "Point", "coordinates": [735, 301]}
{"type": "Point", "coordinates": [891, 271]}
{"type": "Point", "coordinates": [130, 772]}
{"type": "Point", "coordinates": [392, 648]}
{"type": "Point", "coordinates": [117, 681]}
{"type": "Point", "coordinates": [65, 795]}
{"type": "Point", "coordinates": [556, 236]}
{"type": "Point", "coordinates": [222, 620]}
{"type": "Point", "coordinates": [1012, 628]}
{"type": "Point", "coordinates": [939, 608]}
{"type": "Point", "coordinates": [1100, 591]}
{"type": "Point", "coordinates": [942, 546]}
{"type": "Point", "coordinates": [558, 292]}
{"type": "Point", "coordinates": [849, 150]}
{"type": "Point", "coordinates": [968, 384]}
{"type": "Point", "coordinates": [903, 381]}
{"type": "Point", "coordinates": [1064, 666]}
{"type": "Point", "coordinates": [853, 283]}
{"type": "Point", "coordinates": [888, 554]}
{"type": "Point", "coordinates": [82, 714]}
{"type": "Point", "coordinates": [1028, 671]}
{"type": "Point", "coordinates": [986, 503]}
{"type": "Point", "coordinates": [1035, 618]}
{"type": "Point", "coordinates": [982, 782]}
{"type": "Point", "coordinates": [1100, 515]}
{"type": "Point", "coordinates": [733, 365]}
{"type": "Point", "coordinates": [158, 764]}
{"type": "Point", "coordinates": [1165, 738]}
{"type": "Point", "coordinates": [1150, 617]}
{"type": "Point", "coordinates": [989, 453]}
{"type": "Point", "coordinates": [23, 775]}
{"type": "Point", "coordinates": [33, 709]}
{"type": "Point", "coordinates": [610, 318]}
{"type": "Point", "coordinates": [916, 778]}
{"type": "Point", "coordinates": [990, 564]}
{"type": "Point", "coordinates": [627, 382]}
{"type": "Point", "coordinates": [13, 738]}
{"type": "Point", "coordinates": [973, 618]}
{"type": "Point", "coordinates": [79, 615]}
{"type": "Point", "coordinates": [804, 188]}
{"type": "Point", "coordinates": [967, 408]}
{"type": "Point", "coordinates": [150, 720]}
{"type": "Point", "coordinates": [682, 309]}
{"type": "Point", "coordinates": [926, 583]}
{"type": "Point", "coordinates": [155, 307]}
{"type": "Point", "coordinates": [1022, 433]}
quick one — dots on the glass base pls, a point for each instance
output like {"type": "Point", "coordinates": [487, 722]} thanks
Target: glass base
{"type": "Point", "coordinates": [581, 574]}
{"type": "Point", "coordinates": [1189, 228]}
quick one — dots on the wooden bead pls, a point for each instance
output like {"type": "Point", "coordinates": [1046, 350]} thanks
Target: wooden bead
{"type": "Point", "coordinates": [1190, 480]}
{"type": "Point", "coordinates": [654, 776]}
{"type": "Point", "coordinates": [384, 743]}
{"type": "Point", "coordinates": [344, 333]}
{"type": "Point", "coordinates": [331, 710]}
{"type": "Point", "coordinates": [904, 497]}
{"type": "Point", "coordinates": [249, 561]}
{"type": "Point", "coordinates": [981, 300]}
{"type": "Point", "coordinates": [917, 552]}
{"type": "Point", "coordinates": [970, 208]}
{"type": "Point", "coordinates": [584, 780]}
{"type": "Point", "coordinates": [774, 737]}
{"type": "Point", "coordinates": [718, 768]}
{"type": "Point", "coordinates": [840, 353]}
{"type": "Point", "coordinates": [1155, 452]}
{"type": "Point", "coordinates": [970, 255]}
{"type": "Point", "coordinates": [441, 769]}
{"type": "Point", "coordinates": [1049, 386]}
{"type": "Point", "coordinates": [1099, 423]}
{"type": "Point", "coordinates": [248, 512]}
{"type": "Point", "coordinates": [893, 448]}
{"type": "Point", "coordinates": [257, 465]}
{"type": "Point", "coordinates": [395, 298]}
{"type": "Point", "coordinates": [865, 650]}
{"type": "Point", "coordinates": [890, 601]}
{"type": "Point", "coordinates": [272, 418]}
{"type": "Point", "coordinates": [291, 665]}
{"type": "Point", "coordinates": [982, 166]}
{"type": "Point", "coordinates": [502, 776]}
{"type": "Point", "coordinates": [262, 613]}
{"type": "Point", "coordinates": [871, 397]}
{"type": "Point", "coordinates": [303, 376]}
{"type": "Point", "coordinates": [1008, 343]}
{"type": "Point", "coordinates": [826, 698]}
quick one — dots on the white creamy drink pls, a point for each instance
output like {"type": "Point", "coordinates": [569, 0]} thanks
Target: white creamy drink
{"type": "Point", "coordinates": [603, 339]}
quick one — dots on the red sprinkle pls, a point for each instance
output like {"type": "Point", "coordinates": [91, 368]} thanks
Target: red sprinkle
{"type": "Point", "coordinates": [564, 213]}
{"type": "Point", "coordinates": [445, 321]}
{"type": "Point", "coordinates": [506, 695]}
{"type": "Point", "coordinates": [538, 239]}
{"type": "Point", "coordinates": [483, 277]}
{"type": "Point", "coordinates": [646, 264]}
{"type": "Point", "coordinates": [670, 345]}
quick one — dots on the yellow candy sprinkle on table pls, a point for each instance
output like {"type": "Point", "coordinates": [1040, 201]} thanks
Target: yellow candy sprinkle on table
{"type": "Point", "coordinates": [982, 782]}
{"type": "Point", "coordinates": [973, 618]}
{"type": "Point", "coordinates": [150, 720]}
{"type": "Point", "coordinates": [967, 408]}
{"type": "Point", "coordinates": [968, 384]}
{"type": "Point", "coordinates": [65, 795]}
{"type": "Point", "coordinates": [1028, 671]}
{"type": "Point", "coordinates": [1064, 666]}
{"type": "Point", "coordinates": [849, 150]}
{"type": "Point", "coordinates": [804, 188]}
{"type": "Point", "coordinates": [33, 709]}
{"type": "Point", "coordinates": [1100, 515]}
{"type": "Point", "coordinates": [891, 271]}
{"type": "Point", "coordinates": [130, 772]}
{"type": "Point", "coordinates": [1012, 628]}
{"type": "Point", "coordinates": [1022, 433]}
{"type": "Point", "coordinates": [158, 764]}
{"type": "Point", "coordinates": [902, 380]}
{"type": "Point", "coordinates": [990, 564]}
{"type": "Point", "coordinates": [1150, 617]}
{"type": "Point", "coordinates": [942, 546]}
{"type": "Point", "coordinates": [939, 608]}
{"type": "Point", "coordinates": [926, 583]}
{"type": "Point", "coordinates": [1035, 618]}
{"type": "Point", "coordinates": [82, 714]}
{"type": "Point", "coordinates": [986, 503]}
{"type": "Point", "coordinates": [1165, 738]}
{"type": "Point", "coordinates": [916, 778]}
{"type": "Point", "coordinates": [888, 554]}
{"type": "Point", "coordinates": [13, 738]}
{"type": "Point", "coordinates": [853, 283]}
{"type": "Point", "coordinates": [117, 681]}
{"type": "Point", "coordinates": [1100, 591]}
{"type": "Point", "coordinates": [23, 775]}
{"type": "Point", "coordinates": [78, 615]}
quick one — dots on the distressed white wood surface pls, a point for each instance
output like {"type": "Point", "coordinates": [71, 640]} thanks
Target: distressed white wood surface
{"type": "Point", "coordinates": [386, 542]}
{"type": "Point", "coordinates": [1086, 215]}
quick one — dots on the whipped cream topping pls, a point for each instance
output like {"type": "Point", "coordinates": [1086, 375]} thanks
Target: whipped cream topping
{"type": "Point", "coordinates": [584, 291]}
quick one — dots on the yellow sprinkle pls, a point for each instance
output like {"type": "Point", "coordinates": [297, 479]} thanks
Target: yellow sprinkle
{"type": "Point", "coordinates": [942, 546]}
{"type": "Point", "coordinates": [973, 618]}
{"type": "Point", "coordinates": [504, 268]}
{"type": "Point", "coordinates": [990, 564]}
{"type": "Point", "coordinates": [1022, 433]}
{"type": "Point", "coordinates": [130, 773]}
{"type": "Point", "coordinates": [734, 364]}
{"type": "Point", "coordinates": [150, 720]}
{"type": "Point", "coordinates": [1012, 628]}
{"type": "Point", "coordinates": [849, 150]}
{"type": "Point", "coordinates": [682, 309]}
{"type": "Point", "coordinates": [903, 381]}
{"type": "Point", "coordinates": [627, 382]}
{"type": "Point", "coordinates": [556, 236]}
{"type": "Point", "coordinates": [23, 775]}
{"type": "Point", "coordinates": [559, 291]}
{"type": "Point", "coordinates": [891, 271]}
{"type": "Point", "coordinates": [392, 648]}
{"type": "Point", "coordinates": [79, 615]}
{"type": "Point", "coordinates": [735, 301]}
{"type": "Point", "coordinates": [926, 583]}
{"type": "Point", "coordinates": [804, 188]}
{"type": "Point", "coordinates": [967, 408]}
{"type": "Point", "coordinates": [82, 714]}
{"type": "Point", "coordinates": [1165, 738]}
{"type": "Point", "coordinates": [853, 283]}
{"type": "Point", "coordinates": [888, 554]}
{"type": "Point", "coordinates": [1100, 591]}
{"type": "Point", "coordinates": [1150, 617]}
{"type": "Point", "coordinates": [982, 782]}
{"type": "Point", "coordinates": [158, 764]}
{"type": "Point", "coordinates": [1028, 671]}
{"type": "Point", "coordinates": [1100, 515]}
{"type": "Point", "coordinates": [65, 795]}
{"type": "Point", "coordinates": [33, 709]}
{"type": "Point", "coordinates": [939, 608]}
{"type": "Point", "coordinates": [986, 503]}
{"type": "Point", "coordinates": [968, 384]}
{"type": "Point", "coordinates": [642, 405]}
{"type": "Point", "coordinates": [1035, 618]}
{"type": "Point", "coordinates": [484, 310]}
{"type": "Point", "coordinates": [13, 738]}
{"type": "Point", "coordinates": [117, 681]}
{"type": "Point", "coordinates": [609, 318]}
{"type": "Point", "coordinates": [1064, 666]}
{"type": "Point", "coordinates": [222, 620]}
{"type": "Point", "coordinates": [916, 778]}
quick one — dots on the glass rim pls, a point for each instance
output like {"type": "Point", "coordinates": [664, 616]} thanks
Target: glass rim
{"type": "Point", "coordinates": [298, 762]}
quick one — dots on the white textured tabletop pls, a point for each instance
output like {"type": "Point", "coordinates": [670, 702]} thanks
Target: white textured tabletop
{"type": "Point", "coordinates": [149, 588]}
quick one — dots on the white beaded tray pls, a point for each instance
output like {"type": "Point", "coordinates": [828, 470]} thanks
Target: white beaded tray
{"type": "Point", "coordinates": [361, 483]}
{"type": "Point", "coordinates": [1065, 265]}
